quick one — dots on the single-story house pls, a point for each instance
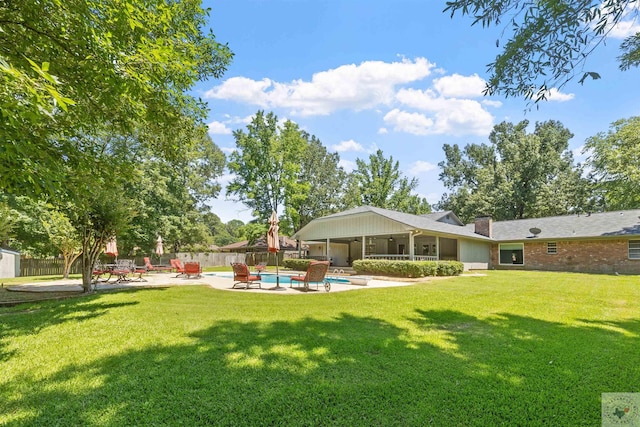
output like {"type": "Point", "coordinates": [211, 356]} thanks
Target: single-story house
{"type": "Point", "coordinates": [606, 242]}
{"type": "Point", "coordinates": [9, 263]}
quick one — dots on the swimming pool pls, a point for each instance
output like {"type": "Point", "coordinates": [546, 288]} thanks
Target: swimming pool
{"type": "Point", "coordinates": [284, 278]}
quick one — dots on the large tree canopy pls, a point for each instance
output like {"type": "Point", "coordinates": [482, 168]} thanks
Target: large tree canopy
{"type": "Point", "coordinates": [614, 158]}
{"type": "Point", "coordinates": [549, 41]}
{"type": "Point", "coordinates": [518, 175]}
{"type": "Point", "coordinates": [380, 183]}
{"type": "Point", "coordinates": [69, 66]}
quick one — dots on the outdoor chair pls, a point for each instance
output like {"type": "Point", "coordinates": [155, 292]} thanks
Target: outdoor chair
{"type": "Point", "coordinates": [192, 269]}
{"type": "Point", "coordinates": [260, 267]}
{"type": "Point", "coordinates": [315, 274]}
{"type": "Point", "coordinates": [147, 263]}
{"type": "Point", "coordinates": [242, 276]}
{"type": "Point", "coordinates": [122, 269]}
{"type": "Point", "coordinates": [139, 270]}
{"type": "Point", "coordinates": [98, 271]}
{"type": "Point", "coordinates": [177, 265]}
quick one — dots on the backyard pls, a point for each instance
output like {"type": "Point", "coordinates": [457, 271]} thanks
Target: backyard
{"type": "Point", "coordinates": [507, 348]}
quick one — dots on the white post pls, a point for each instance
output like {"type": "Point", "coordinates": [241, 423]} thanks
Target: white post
{"type": "Point", "coordinates": [328, 251]}
{"type": "Point", "coordinates": [364, 247]}
{"type": "Point", "coordinates": [412, 255]}
{"type": "Point", "coordinates": [438, 248]}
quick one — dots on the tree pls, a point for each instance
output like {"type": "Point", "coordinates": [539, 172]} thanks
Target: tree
{"type": "Point", "coordinates": [518, 175]}
{"type": "Point", "coordinates": [267, 166]}
{"type": "Point", "coordinates": [7, 223]}
{"type": "Point", "coordinates": [550, 40]}
{"type": "Point", "coordinates": [67, 67]}
{"type": "Point", "coordinates": [614, 158]}
{"type": "Point", "coordinates": [380, 183]}
{"type": "Point", "coordinates": [64, 236]}
{"type": "Point", "coordinates": [326, 180]}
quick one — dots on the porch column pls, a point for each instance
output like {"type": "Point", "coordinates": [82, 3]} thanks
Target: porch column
{"type": "Point", "coordinates": [328, 252]}
{"type": "Point", "coordinates": [364, 247]}
{"type": "Point", "coordinates": [438, 248]}
{"type": "Point", "coordinates": [412, 255]}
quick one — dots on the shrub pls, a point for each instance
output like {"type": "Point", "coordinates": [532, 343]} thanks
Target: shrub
{"type": "Point", "coordinates": [408, 268]}
{"type": "Point", "coordinates": [297, 264]}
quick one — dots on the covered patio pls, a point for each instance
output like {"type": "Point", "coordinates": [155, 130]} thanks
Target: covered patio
{"type": "Point", "coordinates": [373, 233]}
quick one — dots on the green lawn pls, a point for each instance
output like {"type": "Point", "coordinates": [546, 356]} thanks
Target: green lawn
{"type": "Point", "coordinates": [511, 348]}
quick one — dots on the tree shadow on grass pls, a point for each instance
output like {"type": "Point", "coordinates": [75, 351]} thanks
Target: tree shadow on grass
{"type": "Point", "coordinates": [29, 319]}
{"type": "Point", "coordinates": [448, 368]}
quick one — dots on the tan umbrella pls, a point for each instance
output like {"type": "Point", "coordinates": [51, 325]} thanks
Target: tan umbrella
{"type": "Point", "coordinates": [112, 247]}
{"type": "Point", "coordinates": [273, 242]}
{"type": "Point", "coordinates": [159, 247]}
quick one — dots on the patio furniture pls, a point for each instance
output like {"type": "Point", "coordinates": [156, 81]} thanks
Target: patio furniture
{"type": "Point", "coordinates": [262, 266]}
{"type": "Point", "coordinates": [242, 276]}
{"type": "Point", "coordinates": [316, 273]}
{"type": "Point", "coordinates": [177, 265]}
{"type": "Point", "coordinates": [122, 269]}
{"type": "Point", "coordinates": [147, 263]}
{"type": "Point", "coordinates": [192, 269]}
{"type": "Point", "coordinates": [139, 270]}
{"type": "Point", "coordinates": [98, 271]}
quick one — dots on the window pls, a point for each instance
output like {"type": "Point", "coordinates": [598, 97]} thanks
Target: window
{"type": "Point", "coordinates": [634, 249]}
{"type": "Point", "coordinates": [511, 253]}
{"type": "Point", "coordinates": [552, 248]}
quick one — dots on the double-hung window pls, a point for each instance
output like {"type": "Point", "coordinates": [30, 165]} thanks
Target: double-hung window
{"type": "Point", "coordinates": [634, 249]}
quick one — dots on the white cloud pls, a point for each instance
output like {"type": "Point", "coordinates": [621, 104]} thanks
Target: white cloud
{"type": "Point", "coordinates": [624, 29]}
{"type": "Point", "coordinates": [451, 116]}
{"type": "Point", "coordinates": [433, 198]}
{"type": "Point", "coordinates": [491, 103]}
{"type": "Point", "coordinates": [218, 128]}
{"type": "Point", "coordinates": [414, 123]}
{"type": "Point", "coordinates": [457, 86]}
{"type": "Point", "coordinates": [347, 165]}
{"type": "Point", "coordinates": [420, 167]}
{"type": "Point", "coordinates": [554, 94]}
{"type": "Point", "coordinates": [382, 131]}
{"type": "Point", "coordinates": [228, 150]}
{"type": "Point", "coordinates": [349, 145]}
{"type": "Point", "coordinates": [627, 25]}
{"type": "Point", "coordinates": [357, 87]}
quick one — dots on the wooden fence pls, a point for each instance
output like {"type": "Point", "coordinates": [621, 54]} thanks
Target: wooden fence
{"type": "Point", "coordinates": [46, 267]}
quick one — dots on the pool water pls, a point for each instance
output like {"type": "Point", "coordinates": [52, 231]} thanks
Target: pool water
{"type": "Point", "coordinates": [284, 278]}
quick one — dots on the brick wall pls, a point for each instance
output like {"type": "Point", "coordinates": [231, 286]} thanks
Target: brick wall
{"type": "Point", "coordinates": [587, 256]}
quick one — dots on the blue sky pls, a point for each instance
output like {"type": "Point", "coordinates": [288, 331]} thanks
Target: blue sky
{"type": "Point", "coordinates": [401, 76]}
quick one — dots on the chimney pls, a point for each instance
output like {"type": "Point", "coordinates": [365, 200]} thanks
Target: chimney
{"type": "Point", "coordinates": [484, 225]}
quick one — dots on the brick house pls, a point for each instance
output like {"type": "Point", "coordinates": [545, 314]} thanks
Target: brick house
{"type": "Point", "coordinates": [607, 242]}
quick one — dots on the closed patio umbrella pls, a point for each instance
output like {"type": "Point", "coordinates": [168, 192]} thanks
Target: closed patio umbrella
{"type": "Point", "coordinates": [159, 247]}
{"type": "Point", "coordinates": [273, 243]}
{"type": "Point", "coordinates": [112, 247]}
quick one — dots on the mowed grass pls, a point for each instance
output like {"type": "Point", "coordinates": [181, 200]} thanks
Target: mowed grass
{"type": "Point", "coordinates": [509, 348]}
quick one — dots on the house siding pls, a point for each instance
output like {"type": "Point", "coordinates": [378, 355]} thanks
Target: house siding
{"type": "Point", "coordinates": [586, 256]}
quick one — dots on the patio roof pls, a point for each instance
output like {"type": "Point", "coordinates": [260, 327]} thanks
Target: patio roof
{"type": "Point", "coordinates": [433, 223]}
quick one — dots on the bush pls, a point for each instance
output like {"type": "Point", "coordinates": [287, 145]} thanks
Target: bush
{"type": "Point", "coordinates": [297, 264]}
{"type": "Point", "coordinates": [408, 268]}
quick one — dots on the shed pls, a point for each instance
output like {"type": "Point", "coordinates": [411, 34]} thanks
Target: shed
{"type": "Point", "coordinates": [9, 263]}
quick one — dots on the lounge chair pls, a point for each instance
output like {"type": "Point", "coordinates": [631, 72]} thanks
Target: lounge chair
{"type": "Point", "coordinates": [177, 265]}
{"type": "Point", "coordinates": [315, 274]}
{"type": "Point", "coordinates": [242, 276]}
{"type": "Point", "coordinates": [147, 263]}
{"type": "Point", "coordinates": [192, 269]}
